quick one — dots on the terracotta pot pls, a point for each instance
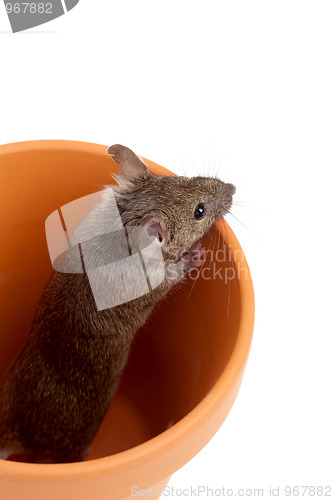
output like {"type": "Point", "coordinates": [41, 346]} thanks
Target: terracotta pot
{"type": "Point", "coordinates": [186, 364]}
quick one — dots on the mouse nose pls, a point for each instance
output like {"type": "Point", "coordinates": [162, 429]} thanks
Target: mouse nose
{"type": "Point", "coordinates": [227, 193]}
{"type": "Point", "coordinates": [229, 189]}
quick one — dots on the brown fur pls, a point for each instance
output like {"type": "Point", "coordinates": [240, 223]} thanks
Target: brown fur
{"type": "Point", "coordinates": [59, 389]}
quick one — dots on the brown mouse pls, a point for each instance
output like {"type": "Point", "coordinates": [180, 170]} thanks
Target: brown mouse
{"type": "Point", "coordinates": [57, 392]}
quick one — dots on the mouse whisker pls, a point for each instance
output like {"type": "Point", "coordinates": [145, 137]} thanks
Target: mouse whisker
{"type": "Point", "coordinates": [240, 222]}
{"type": "Point", "coordinates": [206, 255]}
{"type": "Point", "coordinates": [245, 205]}
{"type": "Point", "coordinates": [218, 169]}
{"type": "Point", "coordinates": [226, 244]}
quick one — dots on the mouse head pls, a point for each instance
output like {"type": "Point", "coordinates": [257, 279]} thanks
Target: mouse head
{"type": "Point", "coordinates": [177, 211]}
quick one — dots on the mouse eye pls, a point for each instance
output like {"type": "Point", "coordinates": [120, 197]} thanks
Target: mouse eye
{"type": "Point", "coordinates": [200, 211]}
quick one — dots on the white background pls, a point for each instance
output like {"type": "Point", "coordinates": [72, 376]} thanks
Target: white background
{"type": "Point", "coordinates": [247, 87]}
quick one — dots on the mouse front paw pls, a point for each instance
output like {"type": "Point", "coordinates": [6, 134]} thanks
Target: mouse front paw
{"type": "Point", "coordinates": [195, 257]}
{"type": "Point", "coordinates": [176, 270]}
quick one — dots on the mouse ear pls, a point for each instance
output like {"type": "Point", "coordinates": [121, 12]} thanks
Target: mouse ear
{"type": "Point", "coordinates": [156, 229]}
{"type": "Point", "coordinates": [130, 165]}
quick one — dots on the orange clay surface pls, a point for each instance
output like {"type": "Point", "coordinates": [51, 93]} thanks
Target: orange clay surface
{"type": "Point", "coordinates": [186, 364]}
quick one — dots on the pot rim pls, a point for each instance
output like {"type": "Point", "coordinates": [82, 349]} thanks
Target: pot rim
{"type": "Point", "coordinates": [153, 448]}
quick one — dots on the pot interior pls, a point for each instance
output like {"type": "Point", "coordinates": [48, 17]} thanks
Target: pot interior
{"type": "Point", "coordinates": [184, 347]}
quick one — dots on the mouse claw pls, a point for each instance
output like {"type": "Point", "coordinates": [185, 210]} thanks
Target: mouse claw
{"type": "Point", "coordinates": [201, 257]}
{"type": "Point", "coordinates": [195, 257]}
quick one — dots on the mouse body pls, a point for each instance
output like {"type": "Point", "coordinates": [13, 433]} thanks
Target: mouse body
{"type": "Point", "coordinates": [57, 392]}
